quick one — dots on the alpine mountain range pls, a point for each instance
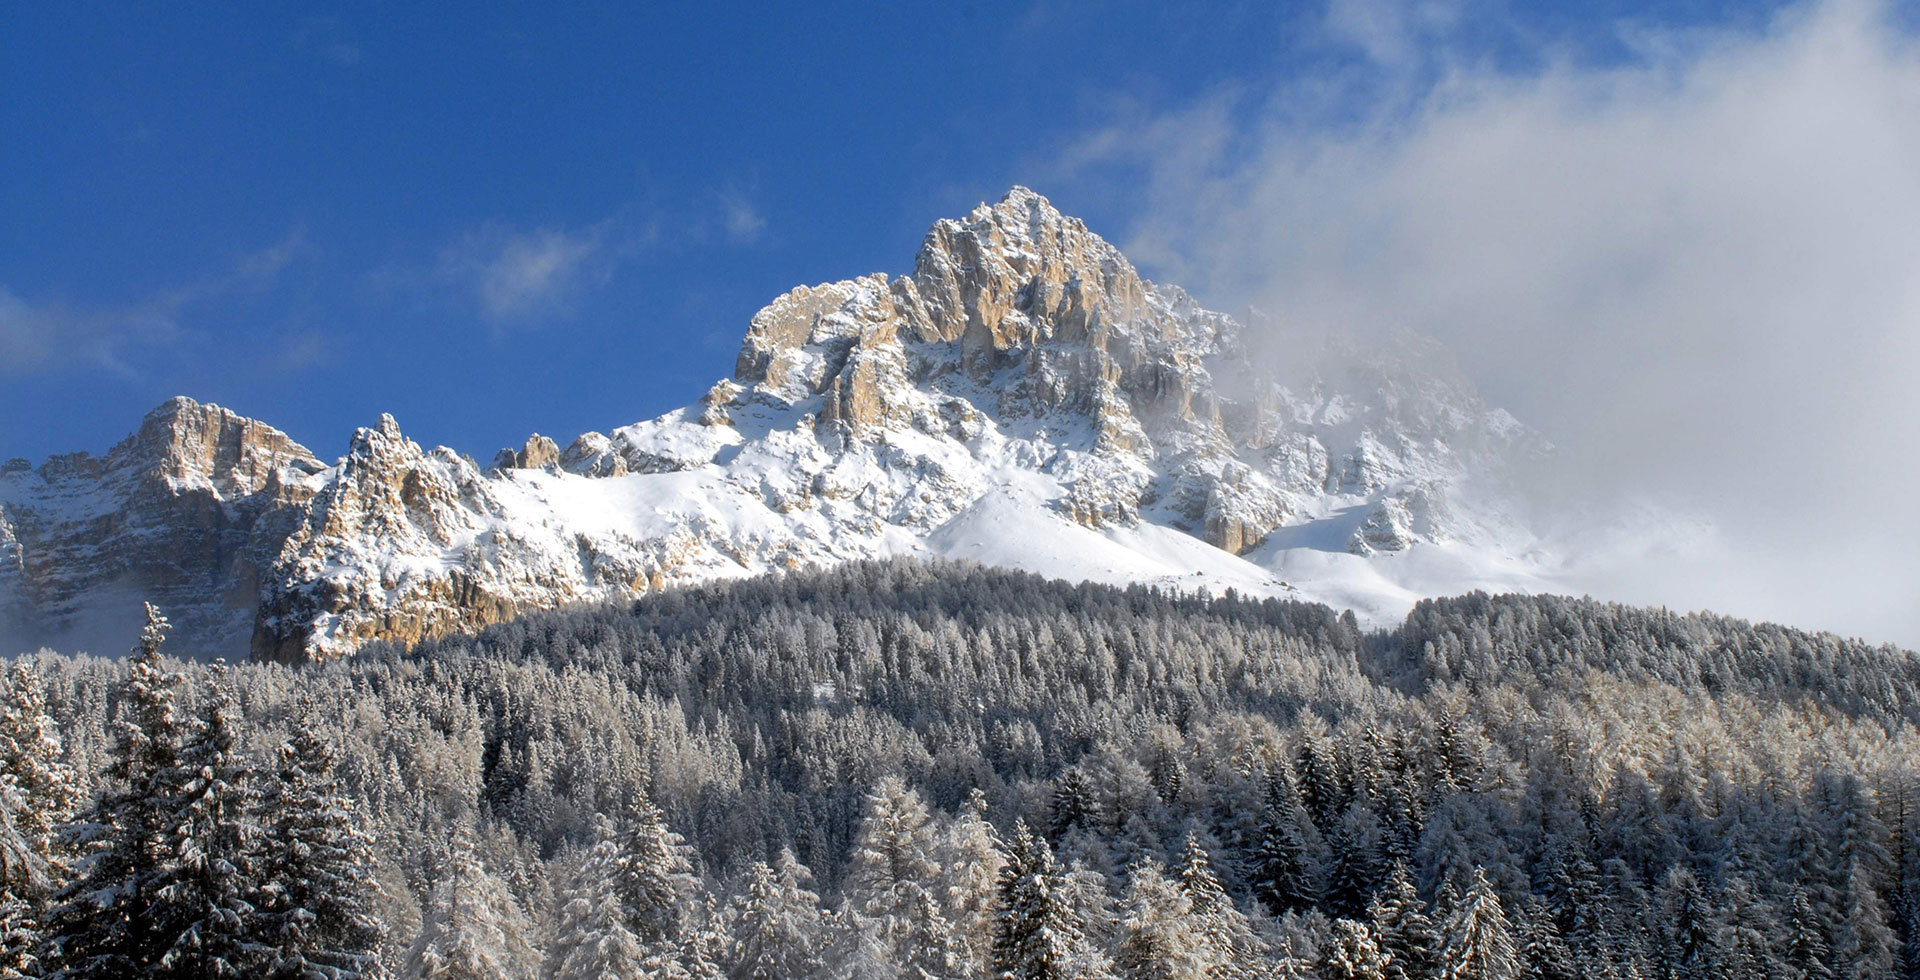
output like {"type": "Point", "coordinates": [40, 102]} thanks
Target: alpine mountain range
{"type": "Point", "coordinates": [1023, 398]}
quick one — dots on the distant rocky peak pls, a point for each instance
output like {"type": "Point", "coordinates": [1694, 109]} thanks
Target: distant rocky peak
{"type": "Point", "coordinates": [185, 445]}
{"type": "Point", "coordinates": [1014, 284]}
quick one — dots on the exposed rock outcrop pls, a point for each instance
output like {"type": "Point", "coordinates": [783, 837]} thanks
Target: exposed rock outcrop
{"type": "Point", "coordinates": [187, 512]}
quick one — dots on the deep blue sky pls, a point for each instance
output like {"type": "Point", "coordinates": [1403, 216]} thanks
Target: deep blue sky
{"type": "Point", "coordinates": [549, 219]}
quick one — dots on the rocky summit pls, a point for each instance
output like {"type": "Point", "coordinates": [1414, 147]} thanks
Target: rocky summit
{"type": "Point", "coordinates": [1022, 398]}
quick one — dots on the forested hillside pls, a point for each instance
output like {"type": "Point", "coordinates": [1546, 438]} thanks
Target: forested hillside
{"type": "Point", "coordinates": [898, 769]}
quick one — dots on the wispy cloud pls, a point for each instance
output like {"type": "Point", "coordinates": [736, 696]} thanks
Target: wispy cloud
{"type": "Point", "coordinates": [327, 38]}
{"type": "Point", "coordinates": [743, 222]}
{"type": "Point", "coordinates": [1695, 265]}
{"type": "Point", "coordinates": [514, 275]}
{"type": "Point", "coordinates": [1397, 33]}
{"type": "Point", "coordinates": [46, 335]}
{"type": "Point", "coordinates": [39, 337]}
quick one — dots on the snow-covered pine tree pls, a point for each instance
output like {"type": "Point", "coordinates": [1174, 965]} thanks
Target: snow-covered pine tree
{"type": "Point", "coordinates": [929, 949]}
{"type": "Point", "coordinates": [1037, 937]}
{"type": "Point", "coordinates": [31, 760]}
{"type": "Point", "coordinates": [100, 929]}
{"type": "Point", "coordinates": [317, 869]}
{"type": "Point", "coordinates": [1072, 805]}
{"type": "Point", "coordinates": [25, 878]}
{"type": "Point", "coordinates": [1476, 942]}
{"type": "Point", "coordinates": [1864, 942]}
{"type": "Point", "coordinates": [1625, 911]}
{"type": "Point", "coordinates": [204, 895]}
{"type": "Point", "coordinates": [1865, 946]}
{"type": "Point", "coordinates": [968, 879]}
{"type": "Point", "coordinates": [471, 928]}
{"type": "Point", "coordinates": [1351, 953]}
{"type": "Point", "coordinates": [1691, 927]}
{"type": "Point", "coordinates": [1289, 965]}
{"type": "Point", "coordinates": [775, 925]}
{"type": "Point", "coordinates": [1747, 945]}
{"type": "Point", "coordinates": [1804, 946]}
{"type": "Point", "coordinates": [855, 947]}
{"type": "Point", "coordinates": [1157, 925]}
{"type": "Point", "coordinates": [592, 940]}
{"type": "Point", "coordinates": [1400, 924]}
{"type": "Point", "coordinates": [1543, 954]}
{"type": "Point", "coordinates": [888, 896]}
{"type": "Point", "coordinates": [1285, 874]}
{"type": "Point", "coordinates": [1198, 880]}
{"type": "Point", "coordinates": [1218, 922]}
{"type": "Point", "coordinates": [657, 886]}
{"type": "Point", "coordinates": [1356, 845]}
{"type": "Point", "coordinates": [39, 793]}
{"type": "Point", "coordinates": [703, 940]}
{"type": "Point", "coordinates": [892, 852]}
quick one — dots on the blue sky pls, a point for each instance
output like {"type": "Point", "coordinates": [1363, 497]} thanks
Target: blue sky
{"type": "Point", "coordinates": [560, 217]}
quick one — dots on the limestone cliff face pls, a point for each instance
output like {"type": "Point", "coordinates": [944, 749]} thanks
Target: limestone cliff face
{"type": "Point", "coordinates": [404, 544]}
{"type": "Point", "coordinates": [185, 512]}
{"type": "Point", "coordinates": [1024, 314]}
{"type": "Point", "coordinates": [1021, 387]}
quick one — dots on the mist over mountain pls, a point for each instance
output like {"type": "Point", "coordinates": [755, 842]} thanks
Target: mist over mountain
{"type": "Point", "coordinates": [1689, 265]}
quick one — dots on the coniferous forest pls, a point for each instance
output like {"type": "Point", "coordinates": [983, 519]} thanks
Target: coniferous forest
{"type": "Point", "coordinates": [930, 771]}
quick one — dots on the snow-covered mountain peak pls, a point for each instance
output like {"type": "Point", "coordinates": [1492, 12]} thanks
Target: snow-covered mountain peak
{"type": "Point", "coordinates": [1021, 397]}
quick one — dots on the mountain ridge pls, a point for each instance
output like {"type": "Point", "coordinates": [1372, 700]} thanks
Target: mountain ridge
{"type": "Point", "coordinates": [1023, 397]}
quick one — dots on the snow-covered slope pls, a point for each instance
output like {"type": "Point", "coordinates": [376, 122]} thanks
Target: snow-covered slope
{"type": "Point", "coordinates": [1023, 398]}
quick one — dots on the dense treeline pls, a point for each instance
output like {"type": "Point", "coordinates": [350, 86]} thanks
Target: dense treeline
{"type": "Point", "coordinates": [901, 769]}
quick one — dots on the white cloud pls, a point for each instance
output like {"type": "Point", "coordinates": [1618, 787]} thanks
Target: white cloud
{"type": "Point", "coordinates": [49, 335]}
{"type": "Point", "coordinates": [515, 275]}
{"type": "Point", "coordinates": [1389, 31]}
{"type": "Point", "coordinates": [1699, 271]}
{"type": "Point", "coordinates": [742, 221]}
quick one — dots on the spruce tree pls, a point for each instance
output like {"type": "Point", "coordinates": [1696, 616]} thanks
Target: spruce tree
{"type": "Point", "coordinates": [1544, 955]}
{"type": "Point", "coordinates": [39, 793]}
{"type": "Point", "coordinates": [1072, 806]}
{"type": "Point", "coordinates": [968, 879]}
{"type": "Point", "coordinates": [1400, 924]}
{"type": "Point", "coordinates": [319, 889]}
{"type": "Point", "coordinates": [1284, 875]}
{"type": "Point", "coordinates": [1351, 953]}
{"type": "Point", "coordinates": [25, 880]}
{"type": "Point", "coordinates": [1159, 940]}
{"type": "Point", "coordinates": [656, 878]}
{"type": "Point", "coordinates": [102, 929]}
{"type": "Point", "coordinates": [1690, 927]}
{"type": "Point", "coordinates": [1476, 941]}
{"type": "Point", "coordinates": [776, 925]}
{"type": "Point", "coordinates": [1356, 869]}
{"type": "Point", "coordinates": [471, 928]}
{"type": "Point", "coordinates": [1750, 927]}
{"type": "Point", "coordinates": [1198, 880]}
{"type": "Point", "coordinates": [1804, 947]}
{"type": "Point", "coordinates": [703, 940]}
{"type": "Point", "coordinates": [592, 940]}
{"type": "Point", "coordinates": [1219, 923]}
{"type": "Point", "coordinates": [31, 761]}
{"type": "Point", "coordinates": [1038, 937]}
{"type": "Point", "coordinates": [205, 891]}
